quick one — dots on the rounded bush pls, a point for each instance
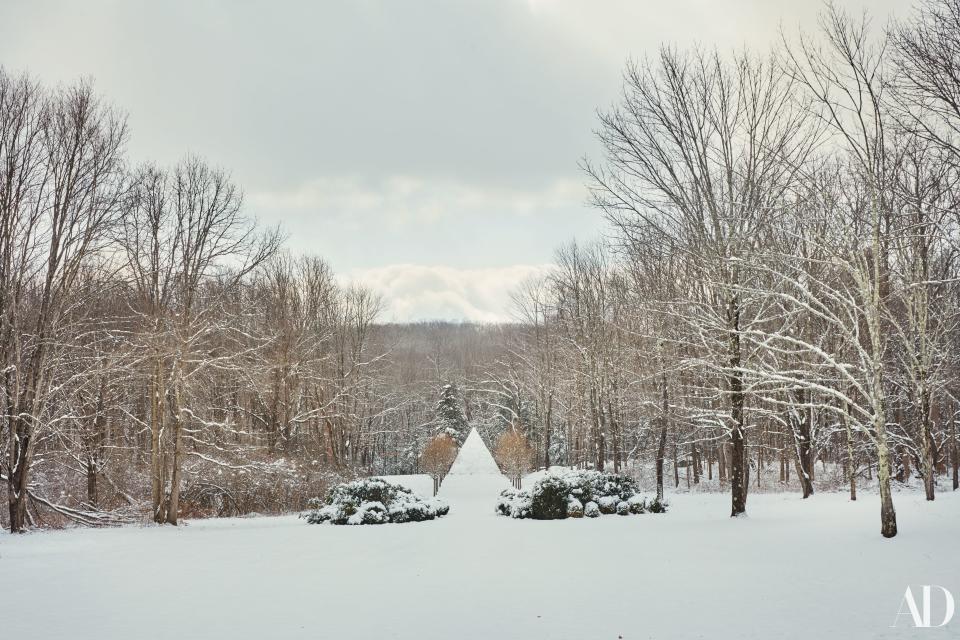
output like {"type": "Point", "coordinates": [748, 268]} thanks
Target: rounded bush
{"type": "Point", "coordinates": [637, 504]}
{"type": "Point", "coordinates": [576, 494]}
{"type": "Point", "coordinates": [418, 512]}
{"type": "Point", "coordinates": [549, 498]}
{"type": "Point", "coordinates": [373, 501]}
{"type": "Point", "coordinates": [608, 504]}
{"type": "Point", "coordinates": [657, 506]}
{"type": "Point", "coordinates": [370, 513]}
{"type": "Point", "coordinates": [514, 503]}
{"type": "Point", "coordinates": [505, 503]}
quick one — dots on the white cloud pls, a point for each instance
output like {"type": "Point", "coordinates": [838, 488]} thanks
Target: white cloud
{"type": "Point", "coordinates": [418, 292]}
{"type": "Point", "coordinates": [402, 200]}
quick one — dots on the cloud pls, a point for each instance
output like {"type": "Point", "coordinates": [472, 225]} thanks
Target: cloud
{"type": "Point", "coordinates": [365, 222]}
{"type": "Point", "coordinates": [419, 292]}
{"type": "Point", "coordinates": [403, 200]}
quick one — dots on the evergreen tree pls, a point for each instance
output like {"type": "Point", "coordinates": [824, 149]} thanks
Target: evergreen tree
{"type": "Point", "coordinates": [450, 417]}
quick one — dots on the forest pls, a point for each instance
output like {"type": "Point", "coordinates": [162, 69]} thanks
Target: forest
{"type": "Point", "coordinates": [774, 307]}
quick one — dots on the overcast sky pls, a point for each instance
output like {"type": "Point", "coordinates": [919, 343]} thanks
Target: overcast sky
{"type": "Point", "coordinates": [428, 149]}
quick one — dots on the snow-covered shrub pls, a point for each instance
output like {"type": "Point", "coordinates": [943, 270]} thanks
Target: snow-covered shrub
{"type": "Point", "coordinates": [575, 494]}
{"type": "Point", "coordinates": [657, 506]}
{"type": "Point", "coordinates": [549, 498]}
{"type": "Point", "coordinates": [608, 504]}
{"type": "Point", "coordinates": [369, 513]}
{"type": "Point", "coordinates": [505, 501]}
{"type": "Point", "coordinates": [514, 503]}
{"type": "Point", "coordinates": [637, 504]}
{"type": "Point", "coordinates": [373, 501]}
{"type": "Point", "coordinates": [594, 485]}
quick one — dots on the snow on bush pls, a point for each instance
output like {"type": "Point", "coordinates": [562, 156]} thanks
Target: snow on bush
{"type": "Point", "coordinates": [514, 503]}
{"type": "Point", "coordinates": [637, 504]}
{"type": "Point", "coordinates": [657, 506]}
{"type": "Point", "coordinates": [608, 504]}
{"type": "Point", "coordinates": [549, 497]}
{"type": "Point", "coordinates": [373, 501]}
{"type": "Point", "coordinates": [575, 494]}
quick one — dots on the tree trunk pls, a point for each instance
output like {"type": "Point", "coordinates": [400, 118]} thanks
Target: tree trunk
{"type": "Point", "coordinates": [803, 441]}
{"type": "Point", "coordinates": [615, 430]}
{"type": "Point", "coordinates": [738, 483]}
{"type": "Point", "coordinates": [723, 462]}
{"type": "Point", "coordinates": [888, 516]}
{"type": "Point", "coordinates": [596, 408]}
{"type": "Point", "coordinates": [17, 479]}
{"type": "Point", "coordinates": [173, 504]}
{"type": "Point", "coordinates": [156, 419]}
{"type": "Point", "coordinates": [92, 497]}
{"type": "Point", "coordinates": [662, 445]}
{"type": "Point", "coordinates": [547, 429]}
{"type": "Point", "coordinates": [956, 454]}
{"type": "Point", "coordinates": [20, 458]}
{"type": "Point", "coordinates": [926, 436]}
{"type": "Point", "coordinates": [21, 453]}
{"type": "Point", "coordinates": [783, 463]}
{"type": "Point", "coordinates": [851, 466]}
{"type": "Point", "coordinates": [695, 459]}
{"type": "Point", "coordinates": [676, 463]}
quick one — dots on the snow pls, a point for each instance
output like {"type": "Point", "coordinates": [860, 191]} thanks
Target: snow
{"type": "Point", "coordinates": [794, 568]}
{"type": "Point", "coordinates": [420, 483]}
{"type": "Point", "coordinates": [474, 482]}
{"type": "Point", "coordinates": [474, 458]}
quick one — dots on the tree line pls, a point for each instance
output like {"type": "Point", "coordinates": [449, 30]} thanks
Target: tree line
{"type": "Point", "coordinates": [782, 277]}
{"type": "Point", "coordinates": [161, 354]}
{"type": "Point", "coordinates": [779, 289]}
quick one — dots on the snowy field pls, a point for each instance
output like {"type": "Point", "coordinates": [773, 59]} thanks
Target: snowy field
{"type": "Point", "coordinates": [792, 569]}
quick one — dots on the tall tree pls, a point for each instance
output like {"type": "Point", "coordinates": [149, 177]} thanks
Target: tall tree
{"type": "Point", "coordinates": [181, 230]}
{"type": "Point", "coordinates": [61, 157]}
{"type": "Point", "coordinates": [700, 153]}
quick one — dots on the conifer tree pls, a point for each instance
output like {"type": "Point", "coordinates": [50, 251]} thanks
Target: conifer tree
{"type": "Point", "coordinates": [450, 417]}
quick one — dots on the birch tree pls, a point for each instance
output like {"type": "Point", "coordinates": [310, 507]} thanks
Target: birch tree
{"type": "Point", "coordinates": [848, 79]}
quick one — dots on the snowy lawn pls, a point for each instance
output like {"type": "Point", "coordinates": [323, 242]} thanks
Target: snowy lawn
{"type": "Point", "coordinates": [792, 569]}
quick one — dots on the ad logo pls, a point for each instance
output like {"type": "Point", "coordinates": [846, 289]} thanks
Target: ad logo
{"type": "Point", "coordinates": [921, 615]}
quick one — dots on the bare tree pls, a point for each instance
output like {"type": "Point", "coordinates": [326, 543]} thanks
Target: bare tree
{"type": "Point", "coordinates": [438, 457]}
{"type": "Point", "coordinates": [927, 56]}
{"type": "Point", "coordinates": [182, 229]}
{"type": "Point", "coordinates": [849, 81]}
{"type": "Point", "coordinates": [61, 157]}
{"type": "Point", "coordinates": [700, 153]}
{"type": "Point", "coordinates": [514, 455]}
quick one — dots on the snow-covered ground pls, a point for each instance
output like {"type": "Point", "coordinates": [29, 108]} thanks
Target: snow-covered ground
{"type": "Point", "coordinates": [792, 569]}
{"type": "Point", "coordinates": [418, 483]}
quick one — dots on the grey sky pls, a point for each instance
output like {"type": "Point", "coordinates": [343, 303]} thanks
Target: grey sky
{"type": "Point", "coordinates": [428, 149]}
